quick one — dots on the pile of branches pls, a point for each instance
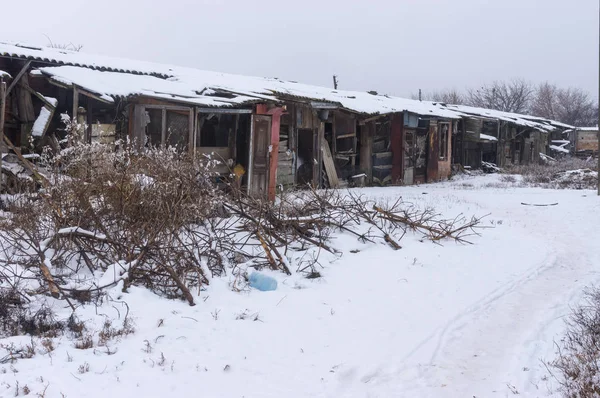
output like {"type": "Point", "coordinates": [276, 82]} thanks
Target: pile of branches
{"type": "Point", "coordinates": [160, 220]}
{"type": "Point", "coordinates": [307, 218]}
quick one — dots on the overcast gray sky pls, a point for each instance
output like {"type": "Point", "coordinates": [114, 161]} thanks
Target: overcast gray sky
{"type": "Point", "coordinates": [394, 46]}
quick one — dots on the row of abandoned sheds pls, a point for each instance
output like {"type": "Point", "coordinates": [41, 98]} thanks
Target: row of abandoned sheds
{"type": "Point", "coordinates": [282, 133]}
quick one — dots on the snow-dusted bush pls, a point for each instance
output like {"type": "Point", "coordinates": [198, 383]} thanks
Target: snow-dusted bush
{"type": "Point", "coordinates": [568, 173]}
{"type": "Point", "coordinates": [577, 367]}
{"type": "Point", "coordinates": [133, 217]}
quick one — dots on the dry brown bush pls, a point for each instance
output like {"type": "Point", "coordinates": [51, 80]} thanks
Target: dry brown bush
{"type": "Point", "coordinates": [577, 367]}
{"type": "Point", "coordinates": [559, 174]}
{"type": "Point", "coordinates": [158, 219]}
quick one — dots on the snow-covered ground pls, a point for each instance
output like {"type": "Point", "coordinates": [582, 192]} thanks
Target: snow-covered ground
{"type": "Point", "coordinates": [428, 320]}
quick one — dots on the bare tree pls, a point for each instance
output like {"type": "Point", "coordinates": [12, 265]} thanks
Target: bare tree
{"type": "Point", "coordinates": [577, 108]}
{"type": "Point", "coordinates": [544, 103]}
{"type": "Point", "coordinates": [571, 105]}
{"type": "Point", "coordinates": [507, 96]}
{"type": "Point", "coordinates": [449, 96]}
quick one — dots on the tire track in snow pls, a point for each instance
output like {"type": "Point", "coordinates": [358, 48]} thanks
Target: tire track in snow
{"type": "Point", "coordinates": [481, 304]}
{"type": "Point", "coordinates": [526, 302]}
{"type": "Point", "coordinates": [448, 362]}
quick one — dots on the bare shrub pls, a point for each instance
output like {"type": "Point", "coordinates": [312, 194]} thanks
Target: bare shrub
{"type": "Point", "coordinates": [577, 367]}
{"type": "Point", "coordinates": [12, 352]}
{"type": "Point", "coordinates": [116, 210]}
{"type": "Point", "coordinates": [85, 342]}
{"type": "Point", "coordinates": [568, 173]}
{"type": "Point", "coordinates": [16, 318]}
{"type": "Point", "coordinates": [48, 345]}
{"type": "Point", "coordinates": [158, 220]}
{"type": "Point", "coordinates": [109, 332]}
{"type": "Point", "coordinates": [507, 178]}
{"type": "Point", "coordinates": [75, 326]}
{"type": "Point", "coordinates": [83, 368]}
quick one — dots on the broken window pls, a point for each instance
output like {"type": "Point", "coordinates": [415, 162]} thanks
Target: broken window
{"type": "Point", "coordinates": [164, 125]}
{"type": "Point", "coordinates": [216, 130]}
{"type": "Point", "coordinates": [177, 129]}
{"type": "Point", "coordinates": [153, 127]}
{"type": "Point", "coordinates": [444, 138]}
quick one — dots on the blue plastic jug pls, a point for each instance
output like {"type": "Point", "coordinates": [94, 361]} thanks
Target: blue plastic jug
{"type": "Point", "coordinates": [262, 282]}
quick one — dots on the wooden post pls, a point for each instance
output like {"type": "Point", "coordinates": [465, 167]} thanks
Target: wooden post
{"type": "Point", "coordinates": [334, 134]}
{"type": "Point", "coordinates": [396, 137]}
{"type": "Point", "coordinates": [232, 140]}
{"type": "Point", "coordinates": [463, 155]}
{"type": "Point", "coordinates": [274, 155]}
{"type": "Point", "coordinates": [163, 130]}
{"type": "Point", "coordinates": [191, 132]}
{"type": "Point", "coordinates": [366, 150]}
{"type": "Point", "coordinates": [500, 151]}
{"type": "Point", "coordinates": [2, 110]}
{"type": "Point", "coordinates": [317, 154]}
{"type": "Point", "coordinates": [74, 120]}
{"type": "Point", "coordinates": [17, 78]}
{"type": "Point", "coordinates": [89, 121]}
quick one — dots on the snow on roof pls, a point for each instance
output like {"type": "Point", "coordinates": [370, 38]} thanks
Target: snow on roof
{"type": "Point", "coordinates": [113, 78]}
{"type": "Point", "coordinates": [75, 58]}
{"type": "Point", "coordinates": [4, 74]}
{"type": "Point", "coordinates": [534, 122]}
{"type": "Point", "coordinates": [558, 148]}
{"type": "Point", "coordinates": [109, 86]}
{"type": "Point", "coordinates": [587, 128]}
{"type": "Point", "coordinates": [199, 87]}
{"type": "Point", "coordinates": [486, 137]}
{"type": "Point", "coordinates": [193, 84]}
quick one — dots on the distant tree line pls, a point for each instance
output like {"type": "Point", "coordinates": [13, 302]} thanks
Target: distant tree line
{"type": "Point", "coordinates": [568, 105]}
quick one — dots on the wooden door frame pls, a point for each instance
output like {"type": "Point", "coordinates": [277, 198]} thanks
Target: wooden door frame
{"type": "Point", "coordinates": [270, 169]}
{"type": "Point", "coordinates": [274, 112]}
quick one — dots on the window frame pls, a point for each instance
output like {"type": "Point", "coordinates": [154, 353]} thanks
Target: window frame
{"type": "Point", "coordinates": [141, 133]}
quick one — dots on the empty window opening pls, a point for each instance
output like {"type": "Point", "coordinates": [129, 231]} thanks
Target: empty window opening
{"type": "Point", "coordinates": [305, 161]}
{"type": "Point", "coordinates": [444, 132]}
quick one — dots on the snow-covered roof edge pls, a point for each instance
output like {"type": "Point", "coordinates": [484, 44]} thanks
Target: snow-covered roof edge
{"type": "Point", "coordinates": [535, 122]}
{"type": "Point", "coordinates": [246, 87]}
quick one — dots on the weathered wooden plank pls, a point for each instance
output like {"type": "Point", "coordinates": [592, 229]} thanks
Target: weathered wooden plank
{"type": "Point", "coordinates": [329, 165]}
{"type": "Point", "coordinates": [89, 121]}
{"type": "Point", "coordinates": [366, 150]}
{"type": "Point", "coordinates": [233, 138]}
{"type": "Point", "coordinates": [25, 104]}
{"type": "Point", "coordinates": [18, 77]}
{"type": "Point", "coordinates": [2, 110]}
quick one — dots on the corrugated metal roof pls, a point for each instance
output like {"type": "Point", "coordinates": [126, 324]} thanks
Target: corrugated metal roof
{"type": "Point", "coordinates": [116, 77]}
{"type": "Point", "coordinates": [110, 86]}
{"type": "Point", "coordinates": [199, 81]}
{"type": "Point", "coordinates": [534, 122]}
{"type": "Point", "coordinates": [74, 58]}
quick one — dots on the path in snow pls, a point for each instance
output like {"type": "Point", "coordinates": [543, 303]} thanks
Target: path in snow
{"type": "Point", "coordinates": [494, 346]}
